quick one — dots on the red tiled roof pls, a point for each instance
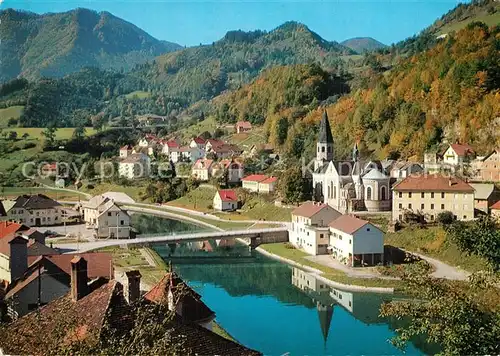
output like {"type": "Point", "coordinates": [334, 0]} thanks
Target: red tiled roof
{"type": "Point", "coordinates": [348, 224]}
{"type": "Point", "coordinates": [98, 263]}
{"type": "Point", "coordinates": [244, 124]}
{"type": "Point", "coordinates": [433, 183]}
{"type": "Point", "coordinates": [215, 142]}
{"type": "Point", "coordinates": [462, 150]}
{"type": "Point", "coordinates": [254, 178]}
{"type": "Point", "coordinates": [126, 148]}
{"type": "Point", "coordinates": [227, 195]}
{"type": "Point", "coordinates": [203, 163]}
{"type": "Point", "coordinates": [269, 180]}
{"type": "Point", "coordinates": [199, 140]}
{"type": "Point", "coordinates": [50, 166]}
{"type": "Point", "coordinates": [311, 208]}
{"type": "Point", "coordinates": [496, 206]}
{"type": "Point", "coordinates": [8, 227]}
{"type": "Point", "coordinates": [172, 144]}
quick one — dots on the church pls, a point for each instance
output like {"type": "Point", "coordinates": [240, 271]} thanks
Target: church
{"type": "Point", "coordinates": [348, 185]}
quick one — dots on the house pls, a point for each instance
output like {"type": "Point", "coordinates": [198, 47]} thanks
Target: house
{"type": "Point", "coordinates": [232, 168]}
{"type": "Point", "coordinates": [225, 150]}
{"type": "Point", "coordinates": [202, 169]}
{"type": "Point", "coordinates": [485, 194]}
{"type": "Point", "coordinates": [255, 150]}
{"type": "Point", "coordinates": [431, 194]}
{"type": "Point", "coordinates": [403, 169]}
{"type": "Point", "coordinates": [149, 144]}
{"type": "Point", "coordinates": [348, 185]}
{"type": "Point", "coordinates": [137, 165]}
{"type": "Point", "coordinates": [309, 229]}
{"type": "Point", "coordinates": [487, 169]}
{"type": "Point", "coordinates": [225, 200]}
{"type": "Point", "coordinates": [35, 210]}
{"type": "Point", "coordinates": [356, 242]}
{"type": "Point", "coordinates": [212, 143]}
{"type": "Point", "coordinates": [243, 126]}
{"type": "Point", "coordinates": [106, 218]}
{"type": "Point", "coordinates": [185, 154]}
{"type": "Point", "coordinates": [198, 142]}
{"type": "Point", "coordinates": [168, 146]}
{"type": "Point", "coordinates": [9, 228]}
{"type": "Point", "coordinates": [49, 170]}
{"type": "Point", "coordinates": [125, 151]}
{"type": "Point", "coordinates": [495, 210]}
{"type": "Point", "coordinates": [458, 154]}
{"type": "Point", "coordinates": [48, 278]}
{"type": "Point", "coordinates": [259, 183]}
{"type": "Point", "coordinates": [91, 312]}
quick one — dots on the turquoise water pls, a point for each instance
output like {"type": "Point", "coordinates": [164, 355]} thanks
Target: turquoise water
{"type": "Point", "coordinates": [271, 307]}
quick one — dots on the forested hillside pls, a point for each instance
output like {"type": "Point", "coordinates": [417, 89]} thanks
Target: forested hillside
{"type": "Point", "coordinates": [363, 44]}
{"type": "Point", "coordinates": [448, 92]}
{"type": "Point", "coordinates": [57, 44]}
{"type": "Point", "coordinates": [205, 71]}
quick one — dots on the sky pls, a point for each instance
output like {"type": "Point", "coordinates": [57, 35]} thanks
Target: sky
{"type": "Point", "coordinates": [191, 22]}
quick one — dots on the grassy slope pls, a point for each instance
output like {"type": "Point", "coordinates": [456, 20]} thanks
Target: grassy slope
{"type": "Point", "coordinates": [139, 94]}
{"type": "Point", "coordinates": [434, 243]}
{"type": "Point", "coordinates": [10, 112]}
{"type": "Point", "coordinates": [11, 192]}
{"type": "Point", "coordinates": [134, 191]}
{"type": "Point", "coordinates": [489, 19]}
{"type": "Point", "coordinates": [209, 124]}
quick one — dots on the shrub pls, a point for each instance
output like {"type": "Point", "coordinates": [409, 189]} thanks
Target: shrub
{"type": "Point", "coordinates": [445, 218]}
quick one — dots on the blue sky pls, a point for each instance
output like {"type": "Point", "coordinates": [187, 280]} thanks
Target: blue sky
{"type": "Point", "coordinates": [192, 22]}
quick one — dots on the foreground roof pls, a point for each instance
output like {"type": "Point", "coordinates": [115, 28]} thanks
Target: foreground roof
{"type": "Point", "coordinates": [99, 264]}
{"type": "Point", "coordinates": [38, 201]}
{"type": "Point", "coordinates": [433, 183]}
{"type": "Point", "coordinates": [496, 206]}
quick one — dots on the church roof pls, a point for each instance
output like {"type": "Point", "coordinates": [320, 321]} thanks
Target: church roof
{"type": "Point", "coordinates": [325, 132]}
{"type": "Point", "coordinates": [375, 174]}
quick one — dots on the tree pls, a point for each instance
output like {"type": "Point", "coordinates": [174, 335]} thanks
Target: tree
{"type": "Point", "coordinates": [293, 186]}
{"type": "Point", "coordinates": [282, 130]}
{"type": "Point", "coordinates": [445, 218]}
{"type": "Point", "coordinates": [79, 133]}
{"type": "Point", "coordinates": [50, 135]}
{"type": "Point", "coordinates": [13, 135]}
{"type": "Point", "coordinates": [480, 237]}
{"type": "Point", "coordinates": [460, 320]}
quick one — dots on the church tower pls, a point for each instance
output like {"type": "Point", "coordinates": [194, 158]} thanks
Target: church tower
{"type": "Point", "coordinates": [324, 146]}
{"type": "Point", "coordinates": [355, 152]}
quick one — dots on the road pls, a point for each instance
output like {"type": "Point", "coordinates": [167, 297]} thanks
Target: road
{"type": "Point", "coordinates": [443, 270]}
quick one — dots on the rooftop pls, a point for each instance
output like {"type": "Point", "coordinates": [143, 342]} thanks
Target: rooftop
{"type": "Point", "coordinates": [311, 208]}
{"type": "Point", "coordinates": [99, 264]}
{"type": "Point", "coordinates": [433, 183]}
{"type": "Point", "coordinates": [348, 224]}
{"type": "Point", "coordinates": [483, 190]}
{"type": "Point", "coordinates": [244, 124]}
{"type": "Point", "coordinates": [254, 178]}
{"type": "Point", "coordinates": [462, 149]}
{"type": "Point", "coordinates": [38, 201]}
{"type": "Point", "coordinates": [227, 195]}
{"type": "Point", "coordinates": [496, 206]}
{"type": "Point", "coordinates": [203, 164]}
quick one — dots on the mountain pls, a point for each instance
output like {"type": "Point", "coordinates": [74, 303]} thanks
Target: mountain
{"type": "Point", "coordinates": [203, 72]}
{"type": "Point", "coordinates": [363, 44]}
{"type": "Point", "coordinates": [60, 43]}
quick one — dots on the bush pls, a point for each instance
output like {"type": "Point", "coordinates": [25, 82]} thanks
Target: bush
{"type": "Point", "coordinates": [289, 246]}
{"type": "Point", "coordinates": [445, 218]}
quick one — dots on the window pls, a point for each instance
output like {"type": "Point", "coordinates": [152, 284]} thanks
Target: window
{"type": "Point", "coordinates": [400, 194]}
{"type": "Point", "coordinates": [465, 217]}
{"type": "Point", "coordinates": [432, 195]}
{"type": "Point", "coordinates": [409, 206]}
{"type": "Point", "coordinates": [442, 195]}
{"type": "Point", "coordinates": [383, 191]}
{"type": "Point", "coordinates": [400, 217]}
{"type": "Point", "coordinates": [432, 217]}
{"type": "Point", "coordinates": [369, 193]}
{"type": "Point", "coordinates": [109, 213]}
{"type": "Point", "coordinates": [422, 195]}
{"type": "Point", "coordinates": [400, 206]}
{"type": "Point", "coordinates": [432, 206]}
{"type": "Point", "coordinates": [422, 206]}
{"type": "Point", "coordinates": [340, 237]}
{"type": "Point", "coordinates": [320, 236]}
{"type": "Point", "coordinates": [350, 242]}
{"type": "Point", "coordinates": [48, 219]}
{"type": "Point", "coordinates": [442, 206]}
{"type": "Point", "coordinates": [121, 222]}
{"type": "Point", "coordinates": [409, 195]}
{"type": "Point", "coordinates": [323, 149]}
{"type": "Point", "coordinates": [368, 229]}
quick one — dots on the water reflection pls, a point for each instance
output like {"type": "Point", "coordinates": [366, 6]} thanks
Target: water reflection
{"type": "Point", "coordinates": [276, 309]}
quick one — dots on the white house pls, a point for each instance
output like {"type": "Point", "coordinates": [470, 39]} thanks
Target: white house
{"type": "Point", "coordinates": [309, 229]}
{"type": "Point", "coordinates": [125, 151]}
{"type": "Point", "coordinates": [35, 210]}
{"type": "Point", "coordinates": [202, 169]}
{"type": "Point", "coordinates": [225, 200]}
{"type": "Point", "coordinates": [106, 218]}
{"type": "Point", "coordinates": [198, 142]}
{"type": "Point", "coordinates": [137, 165]}
{"type": "Point", "coordinates": [457, 154]}
{"type": "Point", "coordinates": [232, 168]}
{"type": "Point", "coordinates": [356, 242]}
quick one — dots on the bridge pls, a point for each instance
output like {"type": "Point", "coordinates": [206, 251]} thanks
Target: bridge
{"type": "Point", "coordinates": [254, 238]}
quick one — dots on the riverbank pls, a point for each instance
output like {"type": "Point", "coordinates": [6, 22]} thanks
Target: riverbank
{"type": "Point", "coordinates": [335, 279]}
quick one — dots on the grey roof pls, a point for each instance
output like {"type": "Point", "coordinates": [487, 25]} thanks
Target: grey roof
{"type": "Point", "coordinates": [38, 201]}
{"type": "Point", "coordinates": [375, 174]}
{"type": "Point", "coordinates": [483, 190]}
{"type": "Point", "coordinates": [325, 132]}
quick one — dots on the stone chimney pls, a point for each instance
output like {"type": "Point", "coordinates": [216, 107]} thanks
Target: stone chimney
{"type": "Point", "coordinates": [133, 286]}
{"type": "Point", "coordinates": [18, 260]}
{"type": "Point", "coordinates": [79, 278]}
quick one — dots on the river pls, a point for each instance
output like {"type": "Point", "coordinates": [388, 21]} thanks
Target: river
{"type": "Point", "coordinates": [276, 309]}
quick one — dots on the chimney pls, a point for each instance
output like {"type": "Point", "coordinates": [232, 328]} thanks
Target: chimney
{"type": "Point", "coordinates": [18, 260]}
{"type": "Point", "coordinates": [79, 278]}
{"type": "Point", "coordinates": [133, 287]}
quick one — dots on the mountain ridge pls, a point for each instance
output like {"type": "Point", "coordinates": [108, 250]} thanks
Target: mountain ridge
{"type": "Point", "coordinates": [363, 44]}
{"type": "Point", "coordinates": [56, 44]}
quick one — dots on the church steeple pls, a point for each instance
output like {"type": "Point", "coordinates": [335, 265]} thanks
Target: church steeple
{"type": "Point", "coordinates": [324, 146]}
{"type": "Point", "coordinates": [355, 152]}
